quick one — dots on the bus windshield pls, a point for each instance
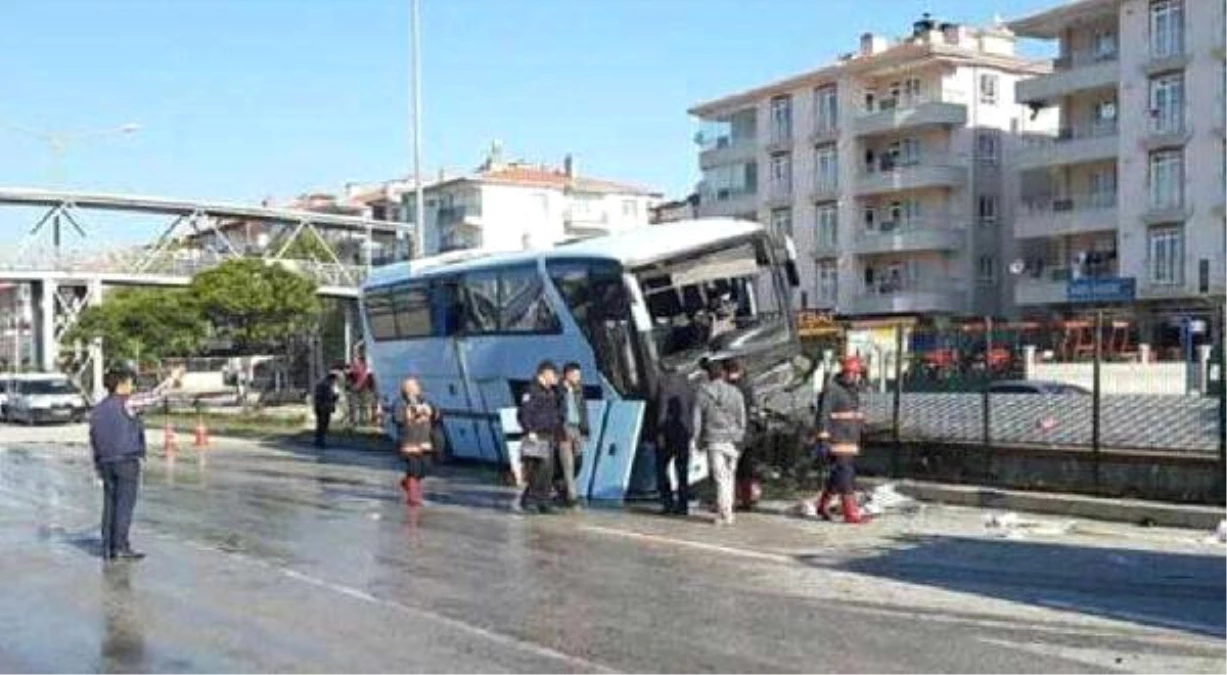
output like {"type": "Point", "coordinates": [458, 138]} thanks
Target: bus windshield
{"type": "Point", "coordinates": [729, 300]}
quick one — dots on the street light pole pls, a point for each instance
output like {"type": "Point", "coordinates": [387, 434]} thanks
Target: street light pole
{"type": "Point", "coordinates": [419, 216]}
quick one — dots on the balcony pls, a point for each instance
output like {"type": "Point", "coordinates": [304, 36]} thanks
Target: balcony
{"type": "Point", "coordinates": [459, 218]}
{"type": "Point", "coordinates": [918, 298]}
{"type": "Point", "coordinates": [727, 151]}
{"type": "Point", "coordinates": [779, 193]}
{"type": "Point", "coordinates": [1081, 71]}
{"type": "Point", "coordinates": [826, 245]}
{"type": "Point", "coordinates": [1041, 291]}
{"type": "Point", "coordinates": [727, 202]}
{"type": "Point", "coordinates": [1166, 129]}
{"type": "Point", "coordinates": [824, 132]}
{"type": "Point", "coordinates": [1041, 217]}
{"type": "Point", "coordinates": [824, 189]}
{"type": "Point", "coordinates": [944, 109]}
{"type": "Point", "coordinates": [1167, 57]}
{"type": "Point", "coordinates": [1092, 143]}
{"type": "Point", "coordinates": [585, 222]}
{"type": "Point", "coordinates": [917, 234]}
{"type": "Point", "coordinates": [928, 172]}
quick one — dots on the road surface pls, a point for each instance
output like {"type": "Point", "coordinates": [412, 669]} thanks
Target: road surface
{"type": "Point", "coordinates": [282, 559]}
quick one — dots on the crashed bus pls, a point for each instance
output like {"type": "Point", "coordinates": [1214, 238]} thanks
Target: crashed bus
{"type": "Point", "coordinates": [472, 326]}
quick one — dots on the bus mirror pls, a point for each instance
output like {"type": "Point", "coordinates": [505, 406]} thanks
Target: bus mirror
{"type": "Point", "coordinates": [790, 264]}
{"type": "Point", "coordinates": [803, 365]}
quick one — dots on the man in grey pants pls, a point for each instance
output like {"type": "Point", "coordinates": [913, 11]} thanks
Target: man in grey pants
{"type": "Point", "coordinates": [720, 427]}
{"type": "Point", "coordinates": [574, 429]}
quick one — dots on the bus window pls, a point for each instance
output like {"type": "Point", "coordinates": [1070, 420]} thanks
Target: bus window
{"type": "Point", "coordinates": [380, 316]}
{"type": "Point", "coordinates": [598, 301]}
{"type": "Point", "coordinates": [523, 307]}
{"type": "Point", "coordinates": [412, 305]}
{"type": "Point", "coordinates": [479, 293]}
{"type": "Point", "coordinates": [447, 311]}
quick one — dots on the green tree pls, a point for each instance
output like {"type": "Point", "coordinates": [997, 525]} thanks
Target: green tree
{"type": "Point", "coordinates": [142, 324]}
{"type": "Point", "coordinates": [259, 306]}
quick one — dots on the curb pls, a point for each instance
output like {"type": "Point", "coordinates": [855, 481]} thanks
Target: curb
{"type": "Point", "coordinates": [1134, 511]}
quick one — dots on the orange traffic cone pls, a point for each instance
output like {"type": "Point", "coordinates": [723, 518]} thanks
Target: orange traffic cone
{"type": "Point", "coordinates": [202, 433]}
{"type": "Point", "coordinates": [170, 443]}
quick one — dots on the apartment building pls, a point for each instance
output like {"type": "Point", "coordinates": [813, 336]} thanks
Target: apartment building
{"type": "Point", "coordinates": [1125, 205]}
{"type": "Point", "coordinates": [886, 167]}
{"type": "Point", "coordinates": [509, 206]}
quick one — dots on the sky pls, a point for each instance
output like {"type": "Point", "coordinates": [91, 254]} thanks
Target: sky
{"type": "Point", "coordinates": [240, 100]}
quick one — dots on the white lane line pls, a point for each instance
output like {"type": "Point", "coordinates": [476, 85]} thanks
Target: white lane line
{"type": "Point", "coordinates": [703, 546]}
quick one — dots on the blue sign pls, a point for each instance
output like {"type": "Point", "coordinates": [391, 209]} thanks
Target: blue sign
{"type": "Point", "coordinates": [1106, 289]}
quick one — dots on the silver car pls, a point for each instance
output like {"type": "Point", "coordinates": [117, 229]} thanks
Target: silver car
{"type": "Point", "coordinates": [35, 399]}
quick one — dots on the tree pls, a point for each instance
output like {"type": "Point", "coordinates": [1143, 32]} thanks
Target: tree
{"type": "Point", "coordinates": [142, 324]}
{"type": "Point", "coordinates": [258, 305]}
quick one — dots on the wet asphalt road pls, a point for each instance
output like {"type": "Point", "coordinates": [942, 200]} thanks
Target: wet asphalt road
{"type": "Point", "coordinates": [279, 559]}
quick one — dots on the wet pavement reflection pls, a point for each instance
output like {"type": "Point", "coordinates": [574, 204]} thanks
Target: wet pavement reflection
{"type": "Point", "coordinates": [269, 560]}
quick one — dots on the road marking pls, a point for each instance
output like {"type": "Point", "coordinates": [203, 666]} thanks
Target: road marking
{"type": "Point", "coordinates": [731, 550]}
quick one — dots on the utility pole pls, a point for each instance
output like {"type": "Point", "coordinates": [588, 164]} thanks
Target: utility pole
{"type": "Point", "coordinates": [419, 217]}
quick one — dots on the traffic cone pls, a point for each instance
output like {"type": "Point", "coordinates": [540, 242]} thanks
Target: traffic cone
{"type": "Point", "coordinates": [170, 442]}
{"type": "Point", "coordinates": [202, 433]}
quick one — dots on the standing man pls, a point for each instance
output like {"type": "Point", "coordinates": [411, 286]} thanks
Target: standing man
{"type": "Point", "coordinates": [747, 464]}
{"type": "Point", "coordinates": [674, 435]}
{"type": "Point", "coordinates": [117, 439]}
{"type": "Point", "coordinates": [540, 418]}
{"type": "Point", "coordinates": [325, 400]}
{"type": "Point", "coordinates": [839, 424]}
{"type": "Point", "coordinates": [720, 422]}
{"type": "Point", "coordinates": [574, 429]}
{"type": "Point", "coordinates": [358, 380]}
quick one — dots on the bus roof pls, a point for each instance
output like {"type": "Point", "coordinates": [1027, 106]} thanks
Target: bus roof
{"type": "Point", "coordinates": [631, 248]}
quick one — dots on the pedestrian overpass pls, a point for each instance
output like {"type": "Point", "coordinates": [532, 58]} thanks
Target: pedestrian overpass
{"type": "Point", "coordinates": [66, 260]}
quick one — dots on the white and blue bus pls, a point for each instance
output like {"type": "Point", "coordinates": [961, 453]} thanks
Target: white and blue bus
{"type": "Point", "coordinates": [473, 326]}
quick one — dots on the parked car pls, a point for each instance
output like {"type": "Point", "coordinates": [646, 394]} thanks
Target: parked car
{"type": "Point", "coordinates": [1037, 387]}
{"type": "Point", "coordinates": [44, 397]}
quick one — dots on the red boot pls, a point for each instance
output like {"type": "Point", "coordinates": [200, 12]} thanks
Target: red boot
{"type": "Point", "coordinates": [852, 512]}
{"type": "Point", "coordinates": [415, 492]}
{"type": "Point", "coordinates": [822, 505]}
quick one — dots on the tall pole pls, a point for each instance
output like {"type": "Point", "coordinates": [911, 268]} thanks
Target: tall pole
{"type": "Point", "coordinates": [419, 216]}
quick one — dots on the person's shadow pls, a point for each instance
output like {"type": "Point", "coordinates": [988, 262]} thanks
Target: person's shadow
{"type": "Point", "coordinates": [122, 646]}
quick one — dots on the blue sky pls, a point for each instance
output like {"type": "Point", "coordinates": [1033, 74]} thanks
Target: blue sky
{"type": "Point", "coordinates": [242, 99]}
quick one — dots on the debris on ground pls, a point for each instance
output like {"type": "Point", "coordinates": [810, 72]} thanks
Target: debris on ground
{"type": "Point", "coordinates": [1009, 525]}
{"type": "Point", "coordinates": [885, 498]}
{"type": "Point", "coordinates": [1220, 535]}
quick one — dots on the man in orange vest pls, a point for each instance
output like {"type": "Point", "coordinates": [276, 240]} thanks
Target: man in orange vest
{"type": "Point", "coordinates": [839, 423]}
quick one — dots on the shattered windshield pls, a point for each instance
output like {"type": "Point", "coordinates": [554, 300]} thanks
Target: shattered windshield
{"type": "Point", "coordinates": [726, 300]}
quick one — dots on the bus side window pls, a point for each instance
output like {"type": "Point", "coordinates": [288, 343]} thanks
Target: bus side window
{"type": "Point", "coordinates": [524, 308]}
{"type": "Point", "coordinates": [447, 310]}
{"type": "Point", "coordinates": [479, 294]}
{"type": "Point", "coordinates": [380, 314]}
{"type": "Point", "coordinates": [596, 297]}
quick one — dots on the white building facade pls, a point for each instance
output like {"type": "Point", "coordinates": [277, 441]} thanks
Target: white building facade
{"type": "Point", "coordinates": [1130, 194]}
{"type": "Point", "coordinates": [514, 206]}
{"type": "Point", "coordinates": [887, 168]}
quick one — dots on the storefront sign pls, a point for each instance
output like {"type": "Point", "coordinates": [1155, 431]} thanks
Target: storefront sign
{"type": "Point", "coordinates": [1108, 289]}
{"type": "Point", "coordinates": [812, 323]}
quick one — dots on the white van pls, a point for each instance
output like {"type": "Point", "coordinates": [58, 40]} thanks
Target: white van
{"type": "Point", "coordinates": [33, 398]}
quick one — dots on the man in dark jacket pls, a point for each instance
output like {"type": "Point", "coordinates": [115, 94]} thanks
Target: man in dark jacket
{"type": "Point", "coordinates": [574, 429]}
{"type": "Point", "coordinates": [540, 418]}
{"type": "Point", "coordinates": [674, 434]}
{"type": "Point", "coordinates": [325, 403]}
{"type": "Point", "coordinates": [839, 424]}
{"type": "Point", "coordinates": [117, 440]}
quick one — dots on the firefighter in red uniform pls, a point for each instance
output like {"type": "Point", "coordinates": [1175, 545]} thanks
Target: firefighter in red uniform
{"type": "Point", "coordinates": [839, 423]}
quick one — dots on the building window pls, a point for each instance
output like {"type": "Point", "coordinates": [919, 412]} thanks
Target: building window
{"type": "Point", "coordinates": [987, 148]}
{"type": "Point", "coordinates": [869, 218]}
{"type": "Point", "coordinates": [1103, 189]}
{"type": "Point", "coordinates": [826, 106]}
{"type": "Point", "coordinates": [1166, 28]}
{"type": "Point", "coordinates": [1166, 255]}
{"type": "Point", "coordinates": [826, 166]}
{"type": "Point", "coordinates": [1104, 45]}
{"type": "Point", "coordinates": [828, 226]}
{"type": "Point", "coordinates": [828, 282]}
{"type": "Point", "coordinates": [781, 173]}
{"type": "Point", "coordinates": [912, 91]}
{"type": "Point", "coordinates": [988, 88]}
{"type": "Point", "coordinates": [1103, 120]}
{"type": "Point", "coordinates": [986, 269]}
{"type": "Point", "coordinates": [781, 222]}
{"type": "Point", "coordinates": [988, 210]}
{"type": "Point", "coordinates": [1167, 104]}
{"type": "Point", "coordinates": [1166, 179]}
{"type": "Point", "coordinates": [781, 119]}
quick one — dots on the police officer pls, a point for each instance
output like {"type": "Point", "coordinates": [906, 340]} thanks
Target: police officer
{"type": "Point", "coordinates": [117, 438]}
{"type": "Point", "coordinates": [541, 419]}
{"type": "Point", "coordinates": [839, 423]}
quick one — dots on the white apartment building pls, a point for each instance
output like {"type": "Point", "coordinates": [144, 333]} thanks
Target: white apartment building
{"type": "Point", "coordinates": [514, 205]}
{"type": "Point", "coordinates": [887, 167]}
{"type": "Point", "coordinates": [1131, 190]}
